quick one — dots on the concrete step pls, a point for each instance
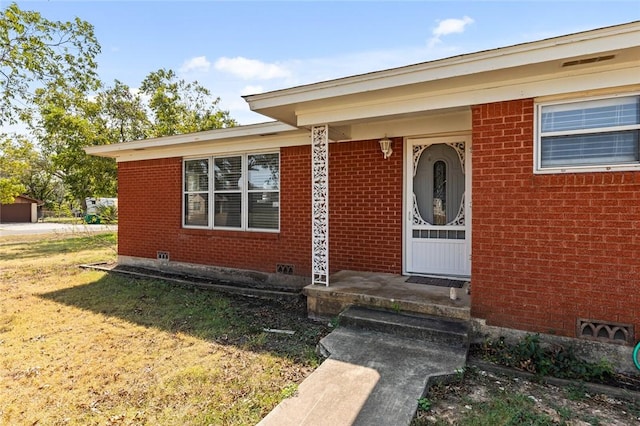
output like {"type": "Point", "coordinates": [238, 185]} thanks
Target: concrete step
{"type": "Point", "coordinates": [439, 330]}
{"type": "Point", "coordinates": [384, 291]}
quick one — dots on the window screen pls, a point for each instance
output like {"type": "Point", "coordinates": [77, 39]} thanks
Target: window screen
{"type": "Point", "coordinates": [596, 132]}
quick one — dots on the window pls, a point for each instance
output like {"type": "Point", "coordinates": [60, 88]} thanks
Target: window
{"type": "Point", "coordinates": [233, 192]}
{"type": "Point", "coordinates": [196, 196]}
{"type": "Point", "coordinates": [439, 193]}
{"type": "Point", "coordinates": [592, 135]}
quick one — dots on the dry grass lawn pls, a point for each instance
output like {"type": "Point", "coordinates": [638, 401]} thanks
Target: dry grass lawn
{"type": "Point", "coordinates": [82, 347]}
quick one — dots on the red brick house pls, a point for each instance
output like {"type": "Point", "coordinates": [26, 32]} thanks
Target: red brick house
{"type": "Point", "coordinates": [516, 168]}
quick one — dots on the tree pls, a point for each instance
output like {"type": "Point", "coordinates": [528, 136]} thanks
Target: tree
{"type": "Point", "coordinates": [48, 79]}
{"type": "Point", "coordinates": [67, 121]}
{"type": "Point", "coordinates": [15, 156]}
{"type": "Point", "coordinates": [124, 114]}
{"type": "Point", "coordinates": [36, 52]}
{"type": "Point", "coordinates": [41, 180]}
{"type": "Point", "coordinates": [180, 107]}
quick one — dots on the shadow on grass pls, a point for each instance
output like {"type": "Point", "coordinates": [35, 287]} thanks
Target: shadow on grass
{"type": "Point", "coordinates": [15, 250]}
{"type": "Point", "coordinates": [205, 314]}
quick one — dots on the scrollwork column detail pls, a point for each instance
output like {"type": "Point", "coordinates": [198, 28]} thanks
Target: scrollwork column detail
{"type": "Point", "coordinates": [320, 203]}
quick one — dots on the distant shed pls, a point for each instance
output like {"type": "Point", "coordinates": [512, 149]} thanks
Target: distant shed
{"type": "Point", "coordinates": [23, 210]}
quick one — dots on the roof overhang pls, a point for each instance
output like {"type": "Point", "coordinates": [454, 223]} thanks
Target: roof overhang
{"type": "Point", "coordinates": [587, 62]}
{"type": "Point", "coordinates": [255, 137]}
{"type": "Point", "coordinates": [584, 61]}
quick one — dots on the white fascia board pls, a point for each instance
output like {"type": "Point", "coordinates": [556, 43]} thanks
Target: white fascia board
{"type": "Point", "coordinates": [543, 85]}
{"type": "Point", "coordinates": [208, 148]}
{"type": "Point", "coordinates": [559, 48]}
{"type": "Point", "coordinates": [267, 134]}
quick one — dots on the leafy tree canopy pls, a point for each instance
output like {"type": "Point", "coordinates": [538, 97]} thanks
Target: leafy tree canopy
{"type": "Point", "coordinates": [123, 113]}
{"type": "Point", "coordinates": [16, 154]}
{"type": "Point", "coordinates": [48, 80]}
{"type": "Point", "coordinates": [179, 107]}
{"type": "Point", "coordinates": [67, 122]}
{"type": "Point", "coordinates": [35, 51]}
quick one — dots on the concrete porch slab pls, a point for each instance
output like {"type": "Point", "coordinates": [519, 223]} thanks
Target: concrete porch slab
{"type": "Point", "coordinates": [386, 291]}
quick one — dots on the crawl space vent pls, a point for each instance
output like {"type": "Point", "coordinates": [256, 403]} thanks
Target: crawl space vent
{"type": "Point", "coordinates": [607, 332]}
{"type": "Point", "coordinates": [282, 268]}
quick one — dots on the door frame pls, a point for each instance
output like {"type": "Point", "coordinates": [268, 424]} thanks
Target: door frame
{"type": "Point", "coordinates": [407, 199]}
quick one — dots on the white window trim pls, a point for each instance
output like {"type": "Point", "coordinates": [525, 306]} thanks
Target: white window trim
{"type": "Point", "coordinates": [244, 193]}
{"type": "Point", "coordinates": [184, 192]}
{"type": "Point", "coordinates": [537, 169]}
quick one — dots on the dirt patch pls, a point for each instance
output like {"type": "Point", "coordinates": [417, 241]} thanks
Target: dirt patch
{"type": "Point", "coordinates": [485, 397]}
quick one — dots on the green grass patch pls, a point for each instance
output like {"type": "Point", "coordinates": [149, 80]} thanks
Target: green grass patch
{"type": "Point", "coordinates": [507, 409]}
{"type": "Point", "coordinates": [85, 347]}
{"type": "Point", "coordinates": [56, 245]}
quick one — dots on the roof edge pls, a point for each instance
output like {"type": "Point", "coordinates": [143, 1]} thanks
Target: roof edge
{"type": "Point", "coordinates": [259, 129]}
{"type": "Point", "coordinates": [483, 55]}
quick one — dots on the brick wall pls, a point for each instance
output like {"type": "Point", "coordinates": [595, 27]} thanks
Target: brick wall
{"type": "Point", "coordinates": [150, 219]}
{"type": "Point", "coordinates": [548, 249]}
{"type": "Point", "coordinates": [365, 214]}
{"type": "Point", "coordinates": [148, 206]}
{"type": "Point", "coordinates": [365, 199]}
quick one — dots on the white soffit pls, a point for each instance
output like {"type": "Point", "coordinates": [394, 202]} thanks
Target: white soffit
{"type": "Point", "coordinates": [255, 137]}
{"type": "Point", "coordinates": [540, 61]}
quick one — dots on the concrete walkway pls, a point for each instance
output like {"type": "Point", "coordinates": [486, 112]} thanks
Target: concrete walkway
{"type": "Point", "coordinates": [370, 378]}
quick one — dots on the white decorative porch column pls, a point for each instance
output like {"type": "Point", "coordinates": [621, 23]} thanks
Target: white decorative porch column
{"type": "Point", "coordinates": [320, 203]}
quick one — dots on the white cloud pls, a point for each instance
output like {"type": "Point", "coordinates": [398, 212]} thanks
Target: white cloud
{"type": "Point", "coordinates": [452, 26]}
{"type": "Point", "coordinates": [251, 90]}
{"type": "Point", "coordinates": [449, 26]}
{"type": "Point", "coordinates": [198, 63]}
{"type": "Point", "coordinates": [251, 68]}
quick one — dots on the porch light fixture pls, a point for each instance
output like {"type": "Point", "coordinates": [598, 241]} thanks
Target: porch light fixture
{"type": "Point", "coordinates": [385, 147]}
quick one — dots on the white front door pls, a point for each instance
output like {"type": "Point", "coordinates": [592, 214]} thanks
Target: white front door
{"type": "Point", "coordinates": [437, 207]}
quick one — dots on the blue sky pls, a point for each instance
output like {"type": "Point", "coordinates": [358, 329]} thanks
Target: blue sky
{"type": "Point", "coordinates": [235, 48]}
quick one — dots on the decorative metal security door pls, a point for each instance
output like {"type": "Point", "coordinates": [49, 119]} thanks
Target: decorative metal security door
{"type": "Point", "coordinates": [438, 230]}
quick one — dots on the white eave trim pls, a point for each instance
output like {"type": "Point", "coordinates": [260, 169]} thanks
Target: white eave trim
{"type": "Point", "coordinates": [472, 94]}
{"type": "Point", "coordinates": [232, 138]}
{"type": "Point", "coordinates": [557, 48]}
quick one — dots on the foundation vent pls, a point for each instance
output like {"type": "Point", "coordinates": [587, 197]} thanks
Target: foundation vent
{"type": "Point", "coordinates": [162, 256]}
{"type": "Point", "coordinates": [607, 332]}
{"type": "Point", "coordinates": [282, 268]}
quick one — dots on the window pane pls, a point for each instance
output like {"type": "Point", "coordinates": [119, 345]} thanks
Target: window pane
{"type": "Point", "coordinates": [196, 209]}
{"type": "Point", "coordinates": [600, 148]}
{"type": "Point", "coordinates": [591, 114]}
{"type": "Point", "coordinates": [264, 208]}
{"type": "Point", "coordinates": [228, 210]}
{"type": "Point", "coordinates": [439, 193]}
{"type": "Point", "coordinates": [196, 175]}
{"type": "Point", "coordinates": [264, 171]}
{"type": "Point", "coordinates": [228, 173]}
